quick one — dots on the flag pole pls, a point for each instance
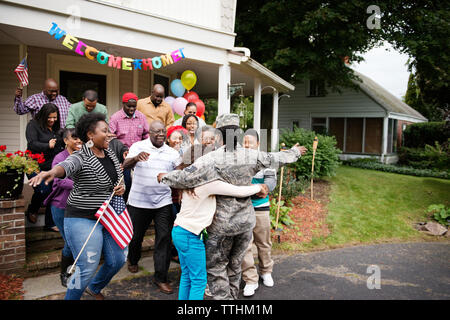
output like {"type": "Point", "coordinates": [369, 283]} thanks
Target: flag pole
{"type": "Point", "coordinates": [92, 231]}
{"type": "Point", "coordinates": [312, 169]}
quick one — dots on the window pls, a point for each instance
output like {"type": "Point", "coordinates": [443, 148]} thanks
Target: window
{"type": "Point", "coordinates": [392, 136]}
{"type": "Point", "coordinates": [316, 88]}
{"type": "Point", "coordinates": [319, 125]}
{"type": "Point", "coordinates": [336, 129]}
{"type": "Point", "coordinates": [354, 133]}
{"type": "Point", "coordinates": [373, 135]}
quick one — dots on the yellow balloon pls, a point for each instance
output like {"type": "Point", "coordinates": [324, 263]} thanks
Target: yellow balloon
{"type": "Point", "coordinates": [203, 117]}
{"type": "Point", "coordinates": [188, 79]}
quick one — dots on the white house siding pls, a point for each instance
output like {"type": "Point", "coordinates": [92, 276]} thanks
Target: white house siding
{"type": "Point", "coordinates": [9, 120]}
{"type": "Point", "coordinates": [205, 13]}
{"type": "Point", "coordinates": [299, 107]}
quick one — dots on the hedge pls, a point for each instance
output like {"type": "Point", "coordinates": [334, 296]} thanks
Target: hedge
{"type": "Point", "coordinates": [418, 135]}
{"type": "Point", "coordinates": [373, 164]}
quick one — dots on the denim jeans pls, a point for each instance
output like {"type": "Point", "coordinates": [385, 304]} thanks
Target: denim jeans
{"type": "Point", "coordinates": [191, 252]}
{"type": "Point", "coordinates": [58, 218]}
{"type": "Point", "coordinates": [101, 241]}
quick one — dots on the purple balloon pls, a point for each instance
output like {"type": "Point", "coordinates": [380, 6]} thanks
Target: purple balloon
{"type": "Point", "coordinates": [179, 105]}
{"type": "Point", "coordinates": [169, 100]}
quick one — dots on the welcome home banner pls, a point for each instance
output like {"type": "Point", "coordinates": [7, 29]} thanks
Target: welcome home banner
{"type": "Point", "coordinates": [102, 57]}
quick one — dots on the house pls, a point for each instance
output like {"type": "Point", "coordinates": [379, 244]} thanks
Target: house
{"type": "Point", "coordinates": [155, 41]}
{"type": "Point", "coordinates": [366, 123]}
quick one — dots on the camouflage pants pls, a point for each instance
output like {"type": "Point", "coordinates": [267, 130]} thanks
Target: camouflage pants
{"type": "Point", "coordinates": [224, 256]}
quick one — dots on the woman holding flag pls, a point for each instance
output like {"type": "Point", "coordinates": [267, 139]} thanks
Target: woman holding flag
{"type": "Point", "coordinates": [95, 171]}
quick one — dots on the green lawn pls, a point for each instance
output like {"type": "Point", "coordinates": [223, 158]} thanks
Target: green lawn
{"type": "Point", "coordinates": [368, 206]}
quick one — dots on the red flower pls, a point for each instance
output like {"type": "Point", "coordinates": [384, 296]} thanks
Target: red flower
{"type": "Point", "coordinates": [2, 148]}
{"type": "Point", "coordinates": [9, 155]}
{"type": "Point", "coordinates": [27, 152]}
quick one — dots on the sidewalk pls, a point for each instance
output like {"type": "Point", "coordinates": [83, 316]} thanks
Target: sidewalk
{"type": "Point", "coordinates": [403, 271]}
{"type": "Point", "coordinates": [50, 284]}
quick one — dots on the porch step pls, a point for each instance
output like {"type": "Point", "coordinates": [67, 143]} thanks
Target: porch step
{"type": "Point", "coordinates": [44, 250]}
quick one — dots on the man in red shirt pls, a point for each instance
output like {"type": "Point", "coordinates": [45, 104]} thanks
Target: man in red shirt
{"type": "Point", "coordinates": [130, 126]}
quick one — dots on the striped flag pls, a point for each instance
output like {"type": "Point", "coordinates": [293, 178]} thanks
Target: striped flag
{"type": "Point", "coordinates": [22, 72]}
{"type": "Point", "coordinates": [116, 220]}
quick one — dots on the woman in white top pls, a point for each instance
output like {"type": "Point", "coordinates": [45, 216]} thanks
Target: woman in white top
{"type": "Point", "coordinates": [197, 211]}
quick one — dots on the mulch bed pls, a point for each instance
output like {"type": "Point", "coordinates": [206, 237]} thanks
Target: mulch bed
{"type": "Point", "coordinates": [309, 216]}
{"type": "Point", "coordinates": [11, 287]}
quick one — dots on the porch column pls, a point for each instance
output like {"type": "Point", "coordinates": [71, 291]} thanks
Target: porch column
{"type": "Point", "coordinates": [257, 105]}
{"type": "Point", "coordinates": [385, 138]}
{"type": "Point", "coordinates": [223, 101]}
{"type": "Point", "coordinates": [274, 132]}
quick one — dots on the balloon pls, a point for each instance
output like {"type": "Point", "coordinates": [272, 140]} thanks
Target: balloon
{"type": "Point", "coordinates": [169, 100]}
{"type": "Point", "coordinates": [200, 107]}
{"type": "Point", "coordinates": [188, 79]}
{"type": "Point", "coordinates": [176, 116]}
{"type": "Point", "coordinates": [177, 88]}
{"type": "Point", "coordinates": [203, 117]}
{"type": "Point", "coordinates": [179, 105]}
{"type": "Point", "coordinates": [191, 96]}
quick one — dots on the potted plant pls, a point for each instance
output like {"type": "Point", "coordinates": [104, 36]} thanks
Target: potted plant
{"type": "Point", "coordinates": [12, 168]}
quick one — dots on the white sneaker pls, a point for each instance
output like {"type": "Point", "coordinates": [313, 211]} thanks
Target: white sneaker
{"type": "Point", "coordinates": [249, 289]}
{"type": "Point", "coordinates": [267, 279]}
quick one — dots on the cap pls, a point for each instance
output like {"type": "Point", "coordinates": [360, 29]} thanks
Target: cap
{"type": "Point", "coordinates": [227, 119]}
{"type": "Point", "coordinates": [175, 128]}
{"type": "Point", "coordinates": [129, 96]}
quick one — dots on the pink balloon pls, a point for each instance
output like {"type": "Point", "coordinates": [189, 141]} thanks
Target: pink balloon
{"type": "Point", "coordinates": [179, 105]}
{"type": "Point", "coordinates": [169, 100]}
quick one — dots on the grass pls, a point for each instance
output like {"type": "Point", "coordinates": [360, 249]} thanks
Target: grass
{"type": "Point", "coordinates": [368, 206]}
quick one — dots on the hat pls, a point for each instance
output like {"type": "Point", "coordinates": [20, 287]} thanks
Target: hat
{"type": "Point", "coordinates": [129, 96]}
{"type": "Point", "coordinates": [172, 129]}
{"type": "Point", "coordinates": [227, 119]}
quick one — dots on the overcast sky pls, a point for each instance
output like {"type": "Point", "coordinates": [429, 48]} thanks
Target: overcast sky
{"type": "Point", "coordinates": [387, 68]}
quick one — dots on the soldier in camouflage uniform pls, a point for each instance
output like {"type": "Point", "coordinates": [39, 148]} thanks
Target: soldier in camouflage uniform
{"type": "Point", "coordinates": [231, 229]}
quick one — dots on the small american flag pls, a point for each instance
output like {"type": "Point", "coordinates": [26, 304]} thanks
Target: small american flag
{"type": "Point", "coordinates": [116, 220]}
{"type": "Point", "coordinates": [22, 72]}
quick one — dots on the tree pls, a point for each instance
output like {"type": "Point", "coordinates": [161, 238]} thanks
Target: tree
{"type": "Point", "coordinates": [308, 39]}
{"type": "Point", "coordinates": [414, 98]}
{"type": "Point", "coordinates": [421, 30]}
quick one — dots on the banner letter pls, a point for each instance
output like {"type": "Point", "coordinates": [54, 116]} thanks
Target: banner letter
{"type": "Point", "coordinates": [102, 57]}
{"type": "Point", "coordinates": [56, 31]}
{"type": "Point", "coordinates": [114, 62]}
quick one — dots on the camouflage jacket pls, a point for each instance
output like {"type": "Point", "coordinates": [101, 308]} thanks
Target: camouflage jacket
{"type": "Point", "coordinates": [233, 215]}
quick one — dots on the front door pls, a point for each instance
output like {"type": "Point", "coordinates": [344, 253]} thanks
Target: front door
{"type": "Point", "coordinates": [73, 85]}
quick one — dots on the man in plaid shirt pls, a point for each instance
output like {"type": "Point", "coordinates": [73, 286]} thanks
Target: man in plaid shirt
{"type": "Point", "coordinates": [35, 102]}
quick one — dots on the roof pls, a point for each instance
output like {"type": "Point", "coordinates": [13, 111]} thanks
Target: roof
{"type": "Point", "coordinates": [387, 100]}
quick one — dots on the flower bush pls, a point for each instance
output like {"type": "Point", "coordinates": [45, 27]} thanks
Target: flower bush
{"type": "Point", "coordinates": [24, 162]}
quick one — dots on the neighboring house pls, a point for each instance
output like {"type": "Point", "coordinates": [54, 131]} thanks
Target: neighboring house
{"type": "Point", "coordinates": [366, 123]}
{"type": "Point", "coordinates": [204, 29]}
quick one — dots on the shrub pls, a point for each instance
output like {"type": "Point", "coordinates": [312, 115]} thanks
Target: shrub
{"type": "Point", "coordinates": [418, 135]}
{"type": "Point", "coordinates": [292, 186]}
{"type": "Point", "coordinates": [440, 213]}
{"type": "Point", "coordinates": [430, 157]}
{"type": "Point", "coordinates": [397, 169]}
{"type": "Point", "coordinates": [327, 154]}
{"type": "Point", "coordinates": [284, 217]}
